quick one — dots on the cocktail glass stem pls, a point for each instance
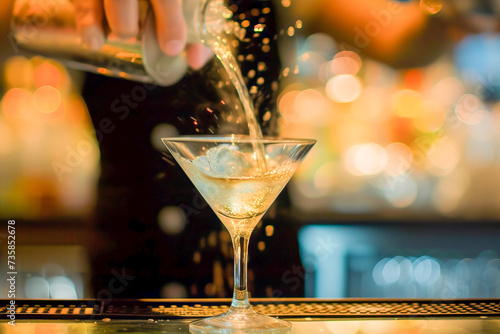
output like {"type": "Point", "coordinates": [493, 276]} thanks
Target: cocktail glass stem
{"type": "Point", "coordinates": [240, 293]}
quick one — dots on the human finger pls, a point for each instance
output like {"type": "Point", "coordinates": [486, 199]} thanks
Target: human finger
{"type": "Point", "coordinates": [170, 25]}
{"type": "Point", "coordinates": [88, 19]}
{"type": "Point", "coordinates": [198, 55]}
{"type": "Point", "coordinates": [123, 17]}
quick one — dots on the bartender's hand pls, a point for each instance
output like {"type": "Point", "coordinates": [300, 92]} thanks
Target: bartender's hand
{"type": "Point", "coordinates": [123, 19]}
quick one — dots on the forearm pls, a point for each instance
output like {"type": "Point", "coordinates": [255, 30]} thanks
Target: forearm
{"type": "Point", "coordinates": [399, 34]}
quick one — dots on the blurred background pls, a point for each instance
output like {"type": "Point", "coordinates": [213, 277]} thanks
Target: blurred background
{"type": "Point", "coordinates": [399, 198]}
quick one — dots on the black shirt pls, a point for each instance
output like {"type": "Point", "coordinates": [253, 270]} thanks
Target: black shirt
{"type": "Point", "coordinates": [131, 255]}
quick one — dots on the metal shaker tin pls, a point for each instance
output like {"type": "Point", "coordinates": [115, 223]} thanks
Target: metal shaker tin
{"type": "Point", "coordinates": [47, 28]}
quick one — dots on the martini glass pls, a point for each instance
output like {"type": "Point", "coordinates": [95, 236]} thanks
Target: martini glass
{"type": "Point", "coordinates": [240, 187]}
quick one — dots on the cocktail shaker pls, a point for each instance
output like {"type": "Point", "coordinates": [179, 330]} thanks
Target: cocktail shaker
{"type": "Point", "coordinates": [47, 28]}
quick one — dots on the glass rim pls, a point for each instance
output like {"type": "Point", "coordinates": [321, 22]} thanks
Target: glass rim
{"type": "Point", "coordinates": [238, 139]}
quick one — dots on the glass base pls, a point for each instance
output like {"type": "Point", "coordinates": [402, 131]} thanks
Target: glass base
{"type": "Point", "coordinates": [240, 321]}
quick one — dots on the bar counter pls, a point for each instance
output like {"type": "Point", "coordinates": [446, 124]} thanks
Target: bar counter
{"type": "Point", "coordinates": [346, 316]}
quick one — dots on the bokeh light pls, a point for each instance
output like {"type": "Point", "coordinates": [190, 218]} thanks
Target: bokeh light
{"type": "Point", "coordinates": [311, 63]}
{"type": "Point", "coordinates": [391, 271]}
{"type": "Point", "coordinates": [406, 271]}
{"type": "Point", "coordinates": [426, 270]}
{"type": "Point", "coordinates": [431, 117]}
{"type": "Point", "coordinates": [325, 177]}
{"type": "Point", "coordinates": [18, 72]}
{"type": "Point", "coordinates": [172, 220]}
{"type": "Point", "coordinates": [450, 190]}
{"type": "Point", "coordinates": [343, 88]}
{"type": "Point", "coordinates": [286, 3]}
{"type": "Point", "coordinates": [431, 6]}
{"type": "Point", "coordinates": [62, 287]}
{"type": "Point", "coordinates": [399, 159]}
{"type": "Point", "coordinates": [162, 130]}
{"type": "Point", "coordinates": [286, 105]}
{"type": "Point", "coordinates": [17, 104]}
{"type": "Point", "coordinates": [401, 190]}
{"type": "Point", "coordinates": [407, 103]}
{"type": "Point", "coordinates": [47, 74]}
{"type": "Point", "coordinates": [371, 105]}
{"type": "Point", "coordinates": [320, 43]}
{"type": "Point", "coordinates": [377, 272]}
{"type": "Point", "coordinates": [444, 154]}
{"type": "Point", "coordinates": [6, 139]}
{"type": "Point", "coordinates": [344, 62]}
{"type": "Point", "coordinates": [311, 106]}
{"type": "Point", "coordinates": [447, 91]}
{"type": "Point", "coordinates": [37, 287]}
{"type": "Point", "coordinates": [470, 109]}
{"type": "Point", "coordinates": [173, 290]}
{"type": "Point", "coordinates": [365, 159]}
{"type": "Point", "coordinates": [46, 99]}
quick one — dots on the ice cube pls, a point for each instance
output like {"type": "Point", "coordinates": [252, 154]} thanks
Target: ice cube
{"type": "Point", "coordinates": [202, 163]}
{"type": "Point", "coordinates": [226, 160]}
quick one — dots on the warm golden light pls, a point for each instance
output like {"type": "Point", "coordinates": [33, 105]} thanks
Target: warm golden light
{"type": "Point", "coordinates": [344, 327]}
{"type": "Point", "coordinates": [345, 62]}
{"type": "Point", "coordinates": [261, 245]}
{"type": "Point", "coordinates": [399, 159]}
{"type": "Point", "coordinates": [325, 177]}
{"type": "Point", "coordinates": [269, 230]}
{"type": "Point", "coordinates": [311, 106]}
{"type": "Point", "coordinates": [407, 103]}
{"type": "Point", "coordinates": [47, 74]}
{"type": "Point", "coordinates": [431, 6]}
{"type": "Point", "coordinates": [286, 105]}
{"type": "Point", "coordinates": [17, 104]}
{"type": "Point", "coordinates": [365, 159]}
{"type": "Point", "coordinates": [286, 3]}
{"type": "Point", "coordinates": [18, 72]}
{"type": "Point", "coordinates": [447, 91]}
{"type": "Point", "coordinates": [46, 99]}
{"type": "Point", "coordinates": [444, 154]}
{"type": "Point", "coordinates": [6, 139]}
{"type": "Point", "coordinates": [343, 88]}
{"type": "Point", "coordinates": [371, 105]}
{"type": "Point", "coordinates": [431, 118]}
{"type": "Point", "coordinates": [470, 109]}
{"type": "Point", "coordinates": [450, 191]}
